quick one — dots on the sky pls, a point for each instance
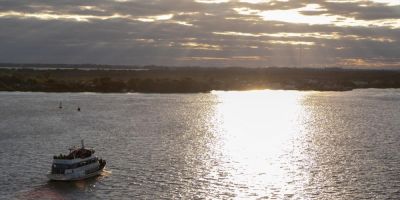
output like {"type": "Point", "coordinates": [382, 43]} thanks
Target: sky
{"type": "Point", "coordinates": [247, 33]}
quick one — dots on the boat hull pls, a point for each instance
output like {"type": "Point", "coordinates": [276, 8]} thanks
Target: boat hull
{"type": "Point", "coordinates": [72, 177]}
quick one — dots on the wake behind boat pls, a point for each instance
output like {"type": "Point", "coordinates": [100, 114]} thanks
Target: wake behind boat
{"type": "Point", "coordinates": [79, 164]}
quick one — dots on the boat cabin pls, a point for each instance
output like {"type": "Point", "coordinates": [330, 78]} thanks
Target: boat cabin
{"type": "Point", "coordinates": [60, 168]}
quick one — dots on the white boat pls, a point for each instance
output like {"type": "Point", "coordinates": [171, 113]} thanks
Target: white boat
{"type": "Point", "coordinates": [80, 163]}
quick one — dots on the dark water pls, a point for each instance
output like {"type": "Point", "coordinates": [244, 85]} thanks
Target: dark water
{"type": "Point", "coordinates": [223, 145]}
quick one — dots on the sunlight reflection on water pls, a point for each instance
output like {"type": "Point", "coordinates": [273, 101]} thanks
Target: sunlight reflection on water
{"type": "Point", "coordinates": [259, 132]}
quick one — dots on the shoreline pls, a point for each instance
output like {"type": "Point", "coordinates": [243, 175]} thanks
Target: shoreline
{"type": "Point", "coordinates": [209, 92]}
{"type": "Point", "coordinates": [194, 80]}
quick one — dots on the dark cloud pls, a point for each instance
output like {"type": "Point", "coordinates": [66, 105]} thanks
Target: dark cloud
{"type": "Point", "coordinates": [365, 11]}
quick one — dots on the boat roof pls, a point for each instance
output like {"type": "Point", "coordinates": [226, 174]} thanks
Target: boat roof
{"type": "Point", "coordinates": [81, 153]}
{"type": "Point", "coordinates": [76, 153]}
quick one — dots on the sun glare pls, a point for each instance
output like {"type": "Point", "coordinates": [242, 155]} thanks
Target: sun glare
{"type": "Point", "coordinates": [259, 130]}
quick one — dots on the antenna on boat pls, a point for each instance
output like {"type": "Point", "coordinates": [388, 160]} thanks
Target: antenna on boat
{"type": "Point", "coordinates": [83, 144]}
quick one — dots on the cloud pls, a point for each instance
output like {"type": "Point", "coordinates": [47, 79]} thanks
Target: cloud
{"type": "Point", "coordinates": [211, 33]}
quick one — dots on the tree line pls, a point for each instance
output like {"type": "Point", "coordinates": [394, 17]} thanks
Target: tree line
{"type": "Point", "coordinates": [192, 80]}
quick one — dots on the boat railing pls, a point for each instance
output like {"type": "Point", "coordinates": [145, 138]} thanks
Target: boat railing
{"type": "Point", "coordinates": [63, 157]}
{"type": "Point", "coordinates": [75, 153]}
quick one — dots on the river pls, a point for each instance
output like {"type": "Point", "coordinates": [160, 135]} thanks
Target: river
{"type": "Point", "coordinates": [266, 144]}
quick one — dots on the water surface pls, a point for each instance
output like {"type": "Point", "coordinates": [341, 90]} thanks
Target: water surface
{"type": "Point", "coordinates": [223, 145]}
